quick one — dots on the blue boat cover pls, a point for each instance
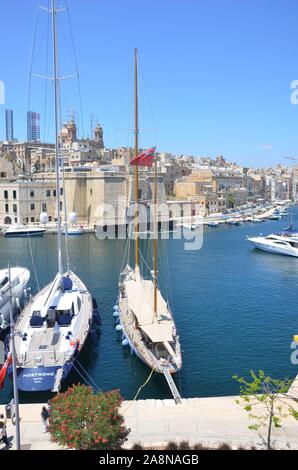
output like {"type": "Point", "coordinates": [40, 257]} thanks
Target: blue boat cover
{"type": "Point", "coordinates": [67, 283]}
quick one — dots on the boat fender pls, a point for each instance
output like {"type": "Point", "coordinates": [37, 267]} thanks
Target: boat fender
{"type": "Point", "coordinates": [18, 304]}
{"type": "Point", "coordinates": [69, 333]}
{"type": "Point", "coordinates": [115, 314]}
{"type": "Point", "coordinates": [93, 336]}
{"type": "Point", "coordinates": [67, 337]}
{"type": "Point", "coordinates": [125, 342]}
{"type": "Point", "coordinates": [96, 318]}
{"type": "Point", "coordinates": [118, 327]}
{"type": "Point", "coordinates": [116, 307]}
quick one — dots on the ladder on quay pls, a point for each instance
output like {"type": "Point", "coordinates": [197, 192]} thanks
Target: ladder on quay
{"type": "Point", "coordinates": [172, 385]}
{"type": "Point", "coordinates": [57, 381]}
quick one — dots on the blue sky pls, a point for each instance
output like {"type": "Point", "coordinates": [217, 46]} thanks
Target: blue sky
{"type": "Point", "coordinates": [214, 74]}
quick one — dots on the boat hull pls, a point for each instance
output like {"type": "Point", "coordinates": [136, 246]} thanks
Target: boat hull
{"type": "Point", "coordinates": [33, 377]}
{"type": "Point", "coordinates": [40, 379]}
{"type": "Point", "coordinates": [19, 298]}
{"type": "Point", "coordinates": [36, 233]}
{"type": "Point", "coordinates": [274, 249]}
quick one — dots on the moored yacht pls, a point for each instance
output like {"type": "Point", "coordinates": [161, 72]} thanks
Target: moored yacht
{"type": "Point", "coordinates": [145, 318]}
{"type": "Point", "coordinates": [54, 325]}
{"type": "Point", "coordinates": [17, 290]}
{"type": "Point", "coordinates": [19, 230]}
{"type": "Point", "coordinates": [50, 333]}
{"type": "Point", "coordinates": [282, 244]}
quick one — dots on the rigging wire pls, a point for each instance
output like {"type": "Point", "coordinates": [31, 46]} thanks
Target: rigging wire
{"type": "Point", "coordinates": [86, 380]}
{"type": "Point", "coordinates": [89, 376]}
{"type": "Point", "coordinates": [33, 261]}
{"type": "Point", "coordinates": [76, 66]}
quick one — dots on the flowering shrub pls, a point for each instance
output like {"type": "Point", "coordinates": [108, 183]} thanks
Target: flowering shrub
{"type": "Point", "coordinates": [81, 419]}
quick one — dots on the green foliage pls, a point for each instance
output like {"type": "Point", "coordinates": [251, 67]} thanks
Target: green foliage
{"type": "Point", "coordinates": [263, 398]}
{"type": "Point", "coordinates": [231, 200]}
{"type": "Point", "coordinates": [81, 419]}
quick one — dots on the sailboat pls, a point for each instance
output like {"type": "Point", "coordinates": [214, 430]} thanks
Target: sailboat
{"type": "Point", "coordinates": [144, 316]}
{"type": "Point", "coordinates": [54, 325]}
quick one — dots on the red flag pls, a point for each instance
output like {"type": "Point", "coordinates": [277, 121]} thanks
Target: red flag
{"type": "Point", "coordinates": [144, 159]}
{"type": "Point", "coordinates": [4, 370]}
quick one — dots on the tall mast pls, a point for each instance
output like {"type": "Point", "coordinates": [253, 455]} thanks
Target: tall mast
{"type": "Point", "coordinates": [136, 151]}
{"type": "Point", "coordinates": [155, 238]}
{"type": "Point", "coordinates": [57, 166]}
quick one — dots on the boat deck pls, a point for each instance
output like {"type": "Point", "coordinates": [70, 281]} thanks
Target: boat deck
{"type": "Point", "coordinates": [44, 347]}
{"type": "Point", "coordinates": [135, 337]}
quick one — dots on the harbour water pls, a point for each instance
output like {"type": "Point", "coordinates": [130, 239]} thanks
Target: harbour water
{"type": "Point", "coordinates": [235, 308]}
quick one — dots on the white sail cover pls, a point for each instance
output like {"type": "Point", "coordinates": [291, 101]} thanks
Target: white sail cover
{"type": "Point", "coordinates": [140, 296]}
{"type": "Point", "coordinates": [159, 332]}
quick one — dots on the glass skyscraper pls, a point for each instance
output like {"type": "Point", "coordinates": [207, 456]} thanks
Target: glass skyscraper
{"type": "Point", "coordinates": [9, 124]}
{"type": "Point", "coordinates": [33, 126]}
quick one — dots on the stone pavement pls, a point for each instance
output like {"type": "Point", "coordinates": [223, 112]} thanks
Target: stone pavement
{"type": "Point", "coordinates": [154, 423]}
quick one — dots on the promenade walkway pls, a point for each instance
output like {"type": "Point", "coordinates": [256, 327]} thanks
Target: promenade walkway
{"type": "Point", "coordinates": [153, 423]}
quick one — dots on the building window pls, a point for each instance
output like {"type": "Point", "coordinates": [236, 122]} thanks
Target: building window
{"type": "Point", "coordinates": [54, 192]}
{"type": "Point", "coordinates": [50, 218]}
{"type": "Point", "coordinates": [16, 220]}
{"type": "Point", "coordinates": [6, 208]}
{"type": "Point", "coordinates": [61, 191]}
{"type": "Point", "coordinates": [91, 192]}
{"type": "Point", "coordinates": [48, 192]}
{"type": "Point", "coordinates": [43, 207]}
{"type": "Point", "coordinates": [32, 219]}
{"type": "Point", "coordinates": [31, 193]}
{"type": "Point", "coordinates": [14, 208]}
{"type": "Point", "coordinates": [3, 174]}
{"type": "Point", "coordinates": [61, 205]}
{"type": "Point", "coordinates": [5, 194]}
{"type": "Point", "coordinates": [32, 206]}
{"type": "Point", "coordinates": [27, 220]}
{"type": "Point", "coordinates": [14, 194]}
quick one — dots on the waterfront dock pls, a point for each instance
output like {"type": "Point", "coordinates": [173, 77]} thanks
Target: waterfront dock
{"type": "Point", "coordinates": [154, 423]}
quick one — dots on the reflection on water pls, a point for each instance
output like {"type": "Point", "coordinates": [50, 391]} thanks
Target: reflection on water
{"type": "Point", "coordinates": [235, 308]}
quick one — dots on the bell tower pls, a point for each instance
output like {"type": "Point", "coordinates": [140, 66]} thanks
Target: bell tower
{"type": "Point", "coordinates": [98, 136]}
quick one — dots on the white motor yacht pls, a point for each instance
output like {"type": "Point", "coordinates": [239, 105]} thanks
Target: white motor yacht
{"type": "Point", "coordinates": [19, 230]}
{"type": "Point", "coordinates": [281, 244]}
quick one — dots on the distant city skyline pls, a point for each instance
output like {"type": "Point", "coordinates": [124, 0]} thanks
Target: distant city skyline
{"type": "Point", "coordinates": [215, 76]}
{"type": "Point", "coordinates": [9, 124]}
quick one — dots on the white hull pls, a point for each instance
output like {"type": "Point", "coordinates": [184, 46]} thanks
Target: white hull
{"type": "Point", "coordinates": [272, 247]}
{"type": "Point", "coordinates": [19, 280]}
{"type": "Point", "coordinates": [63, 317]}
{"type": "Point", "coordinates": [22, 231]}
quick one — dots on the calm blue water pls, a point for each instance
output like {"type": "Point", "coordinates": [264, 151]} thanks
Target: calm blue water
{"type": "Point", "coordinates": [235, 308]}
